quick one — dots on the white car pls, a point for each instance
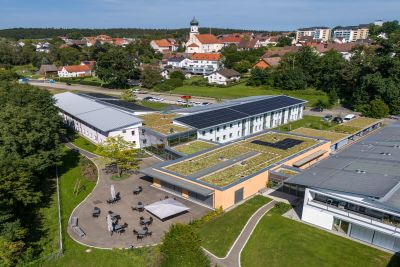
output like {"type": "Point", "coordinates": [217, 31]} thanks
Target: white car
{"type": "Point", "coordinates": [349, 117]}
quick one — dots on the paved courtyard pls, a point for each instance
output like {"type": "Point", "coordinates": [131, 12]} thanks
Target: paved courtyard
{"type": "Point", "coordinates": [96, 231]}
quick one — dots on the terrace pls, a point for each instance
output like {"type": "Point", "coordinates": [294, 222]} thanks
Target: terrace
{"type": "Point", "coordinates": [329, 135]}
{"type": "Point", "coordinates": [225, 165]}
{"type": "Point", "coordinates": [354, 125]}
{"type": "Point", "coordinates": [193, 147]}
{"type": "Point", "coordinates": [162, 123]}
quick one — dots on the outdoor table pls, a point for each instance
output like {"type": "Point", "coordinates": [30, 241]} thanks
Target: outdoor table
{"type": "Point", "coordinates": [140, 207]}
{"type": "Point", "coordinates": [145, 221]}
{"type": "Point", "coordinates": [142, 232]}
{"type": "Point", "coordinates": [114, 215]}
{"type": "Point", "coordinates": [137, 191]}
{"type": "Point", "coordinates": [117, 227]}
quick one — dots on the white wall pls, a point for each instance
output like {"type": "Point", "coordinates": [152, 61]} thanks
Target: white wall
{"type": "Point", "coordinates": [130, 134]}
{"type": "Point", "coordinates": [65, 74]}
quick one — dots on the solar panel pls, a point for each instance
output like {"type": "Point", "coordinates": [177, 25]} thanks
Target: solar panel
{"type": "Point", "coordinates": [266, 105]}
{"type": "Point", "coordinates": [97, 95]}
{"type": "Point", "coordinates": [126, 105]}
{"type": "Point", "coordinates": [282, 144]}
{"type": "Point", "coordinates": [211, 118]}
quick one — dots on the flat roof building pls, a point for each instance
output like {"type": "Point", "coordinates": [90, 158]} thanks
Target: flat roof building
{"type": "Point", "coordinates": [357, 190]}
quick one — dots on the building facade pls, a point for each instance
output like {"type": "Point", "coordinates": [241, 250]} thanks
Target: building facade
{"type": "Point", "coordinates": [317, 33]}
{"type": "Point", "coordinates": [352, 33]}
{"type": "Point", "coordinates": [201, 43]}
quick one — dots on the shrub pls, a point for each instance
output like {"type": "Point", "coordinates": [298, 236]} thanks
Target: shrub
{"type": "Point", "coordinates": [181, 246]}
{"type": "Point", "coordinates": [177, 75]}
{"type": "Point", "coordinates": [88, 169]}
{"type": "Point", "coordinates": [169, 85]}
{"type": "Point", "coordinates": [375, 109]}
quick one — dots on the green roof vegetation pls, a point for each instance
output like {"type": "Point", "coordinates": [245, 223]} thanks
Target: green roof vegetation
{"type": "Point", "coordinates": [265, 156]}
{"type": "Point", "coordinates": [193, 147]}
{"type": "Point", "coordinates": [162, 123]}
{"type": "Point", "coordinates": [361, 122]}
{"type": "Point", "coordinates": [329, 135]}
{"type": "Point", "coordinates": [279, 241]}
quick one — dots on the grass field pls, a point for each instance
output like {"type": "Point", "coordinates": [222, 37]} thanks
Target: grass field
{"type": "Point", "coordinates": [307, 121]}
{"type": "Point", "coordinates": [278, 241]}
{"type": "Point", "coordinates": [83, 143]}
{"type": "Point", "coordinates": [193, 147]}
{"type": "Point", "coordinates": [242, 90]}
{"type": "Point", "coordinates": [219, 234]}
{"type": "Point", "coordinates": [74, 254]}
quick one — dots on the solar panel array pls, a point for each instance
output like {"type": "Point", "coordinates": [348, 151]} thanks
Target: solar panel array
{"type": "Point", "coordinates": [97, 95]}
{"type": "Point", "coordinates": [282, 144]}
{"type": "Point", "coordinates": [224, 115]}
{"type": "Point", "coordinates": [126, 105]}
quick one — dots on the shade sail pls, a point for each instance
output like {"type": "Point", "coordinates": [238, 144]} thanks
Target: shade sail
{"type": "Point", "coordinates": [112, 192]}
{"type": "Point", "coordinates": [166, 208]}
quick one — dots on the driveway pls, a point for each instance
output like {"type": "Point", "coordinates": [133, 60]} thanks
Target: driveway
{"type": "Point", "coordinates": [96, 231]}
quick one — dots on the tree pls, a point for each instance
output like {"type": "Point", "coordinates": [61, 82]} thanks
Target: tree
{"type": "Point", "coordinates": [284, 41]}
{"type": "Point", "coordinates": [121, 153]}
{"type": "Point", "coordinates": [375, 109]}
{"type": "Point", "coordinates": [74, 35]}
{"type": "Point", "coordinates": [181, 247]}
{"type": "Point", "coordinates": [68, 56]}
{"type": "Point", "coordinates": [8, 75]}
{"type": "Point", "coordinates": [177, 75]}
{"type": "Point", "coordinates": [242, 66]}
{"type": "Point", "coordinates": [150, 76]}
{"type": "Point", "coordinates": [115, 68]}
{"type": "Point", "coordinates": [258, 77]}
{"type": "Point", "coordinates": [290, 79]}
{"type": "Point", "coordinates": [169, 85]}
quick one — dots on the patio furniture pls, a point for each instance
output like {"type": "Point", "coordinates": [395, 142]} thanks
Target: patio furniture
{"type": "Point", "coordinates": [149, 233]}
{"type": "Point", "coordinates": [74, 221]}
{"type": "Point", "coordinates": [118, 228]}
{"type": "Point", "coordinates": [146, 221]}
{"type": "Point", "coordinates": [96, 212]}
{"type": "Point", "coordinates": [140, 206]}
{"type": "Point", "coordinates": [142, 232]}
{"type": "Point", "coordinates": [74, 225]}
{"type": "Point", "coordinates": [138, 190]}
{"type": "Point", "coordinates": [114, 216]}
{"type": "Point", "coordinates": [139, 237]}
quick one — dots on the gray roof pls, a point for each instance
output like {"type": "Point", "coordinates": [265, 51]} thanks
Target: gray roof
{"type": "Point", "coordinates": [176, 59]}
{"type": "Point", "coordinates": [93, 113]}
{"type": "Point", "coordinates": [370, 168]}
{"type": "Point", "coordinates": [228, 73]}
{"type": "Point", "coordinates": [47, 68]}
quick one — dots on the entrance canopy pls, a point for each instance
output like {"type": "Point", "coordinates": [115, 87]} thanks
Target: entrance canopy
{"type": "Point", "coordinates": [166, 208]}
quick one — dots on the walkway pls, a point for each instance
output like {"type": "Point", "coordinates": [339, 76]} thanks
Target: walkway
{"type": "Point", "coordinates": [232, 258]}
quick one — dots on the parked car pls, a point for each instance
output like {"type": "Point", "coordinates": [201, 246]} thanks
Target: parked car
{"type": "Point", "coordinates": [349, 117]}
{"type": "Point", "coordinates": [205, 103]}
{"type": "Point", "coordinates": [69, 83]}
{"type": "Point", "coordinates": [317, 109]}
{"type": "Point", "coordinates": [337, 120]}
{"type": "Point", "coordinates": [328, 117]}
{"type": "Point", "coordinates": [148, 98]}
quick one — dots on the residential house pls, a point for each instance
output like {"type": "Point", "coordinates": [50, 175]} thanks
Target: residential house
{"type": "Point", "coordinates": [178, 62]}
{"type": "Point", "coordinates": [343, 49]}
{"type": "Point", "coordinates": [250, 44]}
{"type": "Point", "coordinates": [75, 71]}
{"type": "Point", "coordinates": [224, 77]}
{"type": "Point", "coordinates": [267, 62]}
{"type": "Point", "coordinates": [352, 33]}
{"type": "Point", "coordinates": [230, 40]}
{"type": "Point", "coordinates": [164, 45]}
{"type": "Point", "coordinates": [317, 33]}
{"type": "Point", "coordinates": [281, 51]}
{"type": "Point", "coordinates": [43, 47]}
{"type": "Point", "coordinates": [48, 71]}
{"type": "Point", "coordinates": [203, 63]}
{"type": "Point", "coordinates": [201, 43]}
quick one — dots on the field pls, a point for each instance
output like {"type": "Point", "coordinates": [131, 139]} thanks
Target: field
{"type": "Point", "coordinates": [75, 254]}
{"type": "Point", "coordinates": [219, 234]}
{"type": "Point", "coordinates": [85, 144]}
{"type": "Point", "coordinates": [264, 155]}
{"type": "Point", "coordinates": [278, 241]}
{"type": "Point", "coordinates": [193, 147]}
{"type": "Point", "coordinates": [162, 123]}
{"type": "Point", "coordinates": [329, 135]}
{"type": "Point", "coordinates": [242, 90]}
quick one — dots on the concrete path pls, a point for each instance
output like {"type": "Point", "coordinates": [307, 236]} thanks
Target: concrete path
{"type": "Point", "coordinates": [232, 258]}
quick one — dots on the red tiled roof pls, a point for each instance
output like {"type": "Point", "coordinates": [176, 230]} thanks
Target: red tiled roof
{"type": "Point", "coordinates": [231, 39]}
{"type": "Point", "coordinates": [207, 39]}
{"type": "Point", "coordinates": [322, 48]}
{"type": "Point", "coordinates": [77, 68]}
{"type": "Point", "coordinates": [205, 56]}
{"type": "Point", "coordinates": [162, 43]}
{"type": "Point", "coordinates": [119, 41]}
{"type": "Point", "coordinates": [193, 45]}
{"type": "Point", "coordinates": [281, 51]}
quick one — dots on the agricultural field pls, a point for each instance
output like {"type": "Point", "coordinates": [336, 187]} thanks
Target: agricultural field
{"type": "Point", "coordinates": [265, 150]}
{"type": "Point", "coordinates": [193, 147]}
{"type": "Point", "coordinates": [162, 123]}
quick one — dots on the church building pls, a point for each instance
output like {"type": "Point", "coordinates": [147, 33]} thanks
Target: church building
{"type": "Point", "coordinates": [201, 43]}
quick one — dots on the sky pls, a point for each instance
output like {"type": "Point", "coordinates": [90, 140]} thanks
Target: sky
{"type": "Point", "coordinates": [238, 14]}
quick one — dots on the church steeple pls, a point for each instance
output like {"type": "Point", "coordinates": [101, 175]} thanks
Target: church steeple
{"type": "Point", "coordinates": [194, 28]}
{"type": "Point", "coordinates": [194, 22]}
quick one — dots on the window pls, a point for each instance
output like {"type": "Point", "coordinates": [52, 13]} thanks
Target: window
{"type": "Point", "coordinates": [217, 129]}
{"type": "Point", "coordinates": [203, 133]}
{"type": "Point", "coordinates": [217, 138]}
{"type": "Point", "coordinates": [231, 125]}
{"type": "Point", "coordinates": [211, 131]}
{"type": "Point", "coordinates": [238, 133]}
{"type": "Point", "coordinates": [230, 135]}
{"type": "Point", "coordinates": [224, 137]}
{"type": "Point", "coordinates": [123, 131]}
{"type": "Point", "coordinates": [134, 143]}
{"type": "Point", "coordinates": [224, 127]}
{"type": "Point", "coordinates": [133, 132]}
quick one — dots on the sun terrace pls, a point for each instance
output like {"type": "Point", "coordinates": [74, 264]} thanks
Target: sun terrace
{"type": "Point", "coordinates": [225, 165]}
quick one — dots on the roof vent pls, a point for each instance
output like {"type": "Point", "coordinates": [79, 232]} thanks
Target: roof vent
{"type": "Point", "coordinates": [360, 171]}
{"type": "Point", "coordinates": [386, 153]}
{"type": "Point", "coordinates": [396, 146]}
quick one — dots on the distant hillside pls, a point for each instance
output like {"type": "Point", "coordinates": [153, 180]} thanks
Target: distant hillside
{"type": "Point", "coordinates": [41, 33]}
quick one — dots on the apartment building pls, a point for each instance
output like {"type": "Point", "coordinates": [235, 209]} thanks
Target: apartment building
{"type": "Point", "coordinates": [317, 33]}
{"type": "Point", "coordinates": [352, 33]}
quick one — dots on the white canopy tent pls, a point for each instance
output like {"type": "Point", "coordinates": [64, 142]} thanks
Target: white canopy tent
{"type": "Point", "coordinates": [112, 191]}
{"type": "Point", "coordinates": [166, 208]}
{"type": "Point", "coordinates": [109, 223]}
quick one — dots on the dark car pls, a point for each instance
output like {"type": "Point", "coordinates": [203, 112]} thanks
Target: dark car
{"type": "Point", "coordinates": [69, 83]}
{"type": "Point", "coordinates": [317, 109]}
{"type": "Point", "coordinates": [147, 98]}
{"type": "Point", "coordinates": [338, 120]}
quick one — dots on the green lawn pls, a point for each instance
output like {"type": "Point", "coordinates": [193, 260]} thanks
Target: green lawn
{"type": "Point", "coordinates": [307, 121]}
{"type": "Point", "coordinates": [278, 241]}
{"type": "Point", "coordinates": [219, 234]}
{"type": "Point", "coordinates": [74, 254]}
{"type": "Point", "coordinates": [83, 143]}
{"type": "Point", "coordinates": [242, 90]}
{"type": "Point", "coordinates": [153, 105]}
{"type": "Point", "coordinates": [193, 147]}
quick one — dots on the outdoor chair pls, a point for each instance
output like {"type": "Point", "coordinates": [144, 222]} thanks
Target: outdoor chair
{"type": "Point", "coordinates": [141, 218]}
{"type": "Point", "coordinates": [135, 232]}
{"type": "Point", "coordinates": [145, 228]}
{"type": "Point", "coordinates": [140, 203]}
{"type": "Point", "coordinates": [118, 196]}
{"type": "Point", "coordinates": [139, 237]}
{"type": "Point", "coordinates": [149, 233]}
{"type": "Point", "coordinates": [134, 208]}
{"type": "Point", "coordinates": [96, 212]}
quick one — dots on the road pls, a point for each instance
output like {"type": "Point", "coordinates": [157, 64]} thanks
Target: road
{"type": "Point", "coordinates": [168, 98]}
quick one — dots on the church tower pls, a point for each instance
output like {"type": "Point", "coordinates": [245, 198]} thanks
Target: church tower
{"type": "Point", "coordinates": [194, 28]}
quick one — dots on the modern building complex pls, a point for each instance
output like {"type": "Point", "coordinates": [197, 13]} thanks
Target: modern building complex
{"type": "Point", "coordinates": [317, 33]}
{"type": "Point", "coordinates": [228, 174]}
{"type": "Point", "coordinates": [357, 190]}
{"type": "Point", "coordinates": [352, 33]}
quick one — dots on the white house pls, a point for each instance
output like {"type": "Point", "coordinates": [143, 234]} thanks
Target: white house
{"type": "Point", "coordinates": [164, 45]}
{"type": "Point", "coordinates": [201, 43]}
{"type": "Point", "coordinates": [223, 77]}
{"type": "Point", "coordinates": [97, 121]}
{"type": "Point", "coordinates": [178, 62]}
{"type": "Point", "coordinates": [75, 71]}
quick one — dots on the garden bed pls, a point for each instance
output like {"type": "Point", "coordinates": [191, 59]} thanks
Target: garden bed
{"type": "Point", "coordinates": [193, 147]}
